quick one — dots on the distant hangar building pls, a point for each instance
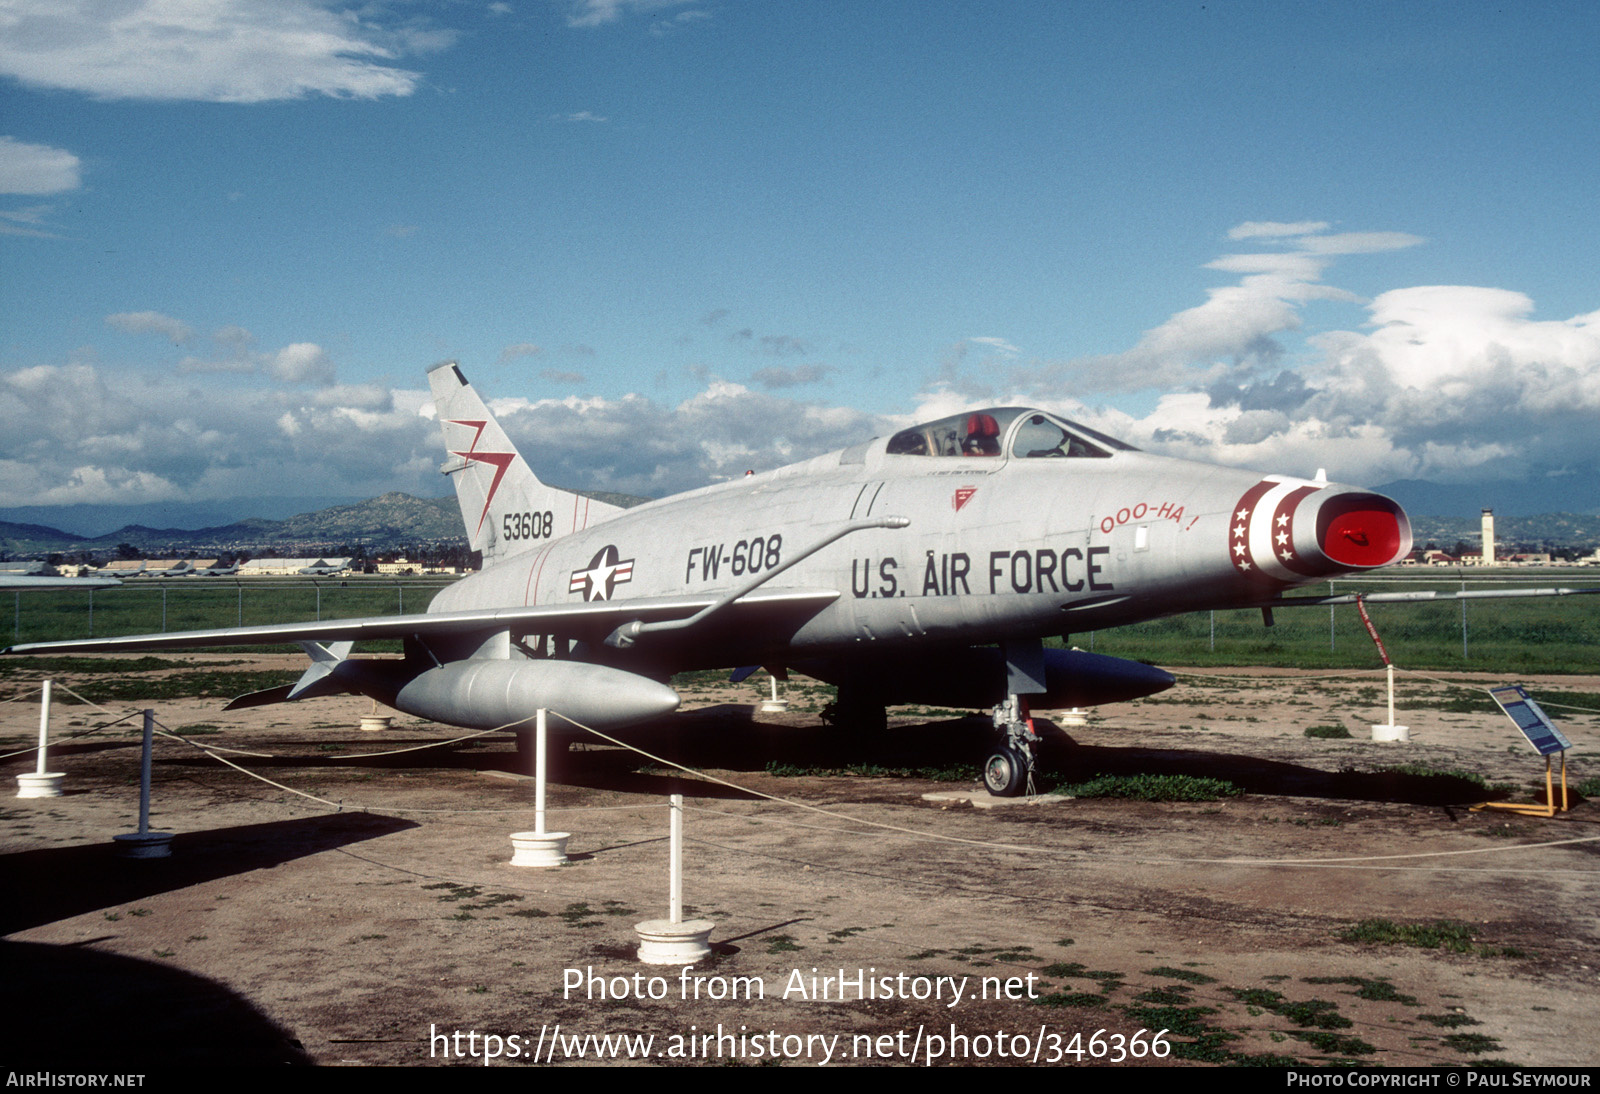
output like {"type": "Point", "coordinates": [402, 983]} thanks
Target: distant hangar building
{"type": "Point", "coordinates": [284, 567]}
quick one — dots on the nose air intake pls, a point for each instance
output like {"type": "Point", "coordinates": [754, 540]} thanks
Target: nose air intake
{"type": "Point", "coordinates": [1359, 531]}
{"type": "Point", "coordinates": [1290, 531]}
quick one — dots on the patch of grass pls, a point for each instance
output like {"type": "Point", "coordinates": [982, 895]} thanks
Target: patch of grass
{"type": "Point", "coordinates": [531, 913]}
{"type": "Point", "coordinates": [1265, 998]}
{"type": "Point", "coordinates": [1450, 1021]}
{"type": "Point", "coordinates": [782, 943]}
{"type": "Point", "coordinates": [1208, 1040]}
{"type": "Point", "coordinates": [83, 666]}
{"type": "Point", "coordinates": [1333, 1043]}
{"type": "Point", "coordinates": [1174, 996]}
{"type": "Point", "coordinates": [1444, 934]}
{"type": "Point", "coordinates": [1329, 733]}
{"type": "Point", "coordinates": [1472, 1044]}
{"type": "Point", "coordinates": [1315, 1014]}
{"type": "Point", "coordinates": [955, 774]}
{"type": "Point", "coordinates": [1071, 999]}
{"type": "Point", "coordinates": [1311, 1013]}
{"type": "Point", "coordinates": [1152, 788]}
{"type": "Point", "coordinates": [1182, 974]}
{"type": "Point", "coordinates": [199, 684]}
{"type": "Point", "coordinates": [453, 892]}
{"type": "Point", "coordinates": [1426, 772]}
{"type": "Point", "coordinates": [579, 915]}
{"type": "Point", "coordinates": [1589, 788]}
{"type": "Point", "coordinates": [1378, 991]}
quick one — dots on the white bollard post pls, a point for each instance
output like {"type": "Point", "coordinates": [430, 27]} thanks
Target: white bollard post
{"type": "Point", "coordinates": [145, 843]}
{"type": "Point", "coordinates": [774, 705]}
{"type": "Point", "coordinates": [1391, 693]}
{"type": "Point", "coordinates": [540, 725]}
{"type": "Point", "coordinates": [672, 941]}
{"type": "Point", "coordinates": [42, 783]}
{"type": "Point", "coordinates": [539, 848]}
{"type": "Point", "coordinates": [675, 870]}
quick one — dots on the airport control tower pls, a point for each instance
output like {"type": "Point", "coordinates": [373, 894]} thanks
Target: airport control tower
{"type": "Point", "coordinates": [1488, 537]}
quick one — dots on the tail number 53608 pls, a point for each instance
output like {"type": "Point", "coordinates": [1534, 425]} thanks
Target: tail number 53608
{"type": "Point", "coordinates": [527, 525]}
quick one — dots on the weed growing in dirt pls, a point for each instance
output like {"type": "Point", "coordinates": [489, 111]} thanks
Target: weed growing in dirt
{"type": "Point", "coordinates": [1424, 771]}
{"type": "Point", "coordinates": [1473, 1044]}
{"type": "Point", "coordinates": [1071, 999]}
{"type": "Point", "coordinates": [1152, 788]}
{"type": "Point", "coordinates": [1331, 733]}
{"type": "Point", "coordinates": [1333, 1043]}
{"type": "Point", "coordinates": [1444, 934]}
{"type": "Point", "coordinates": [1181, 974]}
{"type": "Point", "coordinates": [956, 774]}
{"type": "Point", "coordinates": [1378, 990]}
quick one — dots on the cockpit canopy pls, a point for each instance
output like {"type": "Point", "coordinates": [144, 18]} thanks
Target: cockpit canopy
{"type": "Point", "coordinates": [1023, 433]}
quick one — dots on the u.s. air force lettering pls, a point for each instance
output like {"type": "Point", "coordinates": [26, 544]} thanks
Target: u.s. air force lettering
{"type": "Point", "coordinates": [949, 573]}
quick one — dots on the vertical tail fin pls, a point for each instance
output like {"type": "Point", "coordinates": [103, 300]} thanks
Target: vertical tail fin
{"type": "Point", "coordinates": [505, 506]}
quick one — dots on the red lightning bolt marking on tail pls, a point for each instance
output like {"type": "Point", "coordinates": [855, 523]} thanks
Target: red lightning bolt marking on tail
{"type": "Point", "coordinates": [500, 461]}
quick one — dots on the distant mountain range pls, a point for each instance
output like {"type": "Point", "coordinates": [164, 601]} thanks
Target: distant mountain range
{"type": "Point", "coordinates": [397, 520]}
{"type": "Point", "coordinates": [390, 522]}
{"type": "Point", "coordinates": [384, 523]}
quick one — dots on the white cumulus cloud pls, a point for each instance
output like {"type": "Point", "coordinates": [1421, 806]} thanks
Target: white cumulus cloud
{"type": "Point", "coordinates": [37, 169]}
{"type": "Point", "coordinates": [240, 51]}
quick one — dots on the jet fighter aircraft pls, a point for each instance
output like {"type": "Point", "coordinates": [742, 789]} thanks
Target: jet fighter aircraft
{"type": "Point", "coordinates": [927, 566]}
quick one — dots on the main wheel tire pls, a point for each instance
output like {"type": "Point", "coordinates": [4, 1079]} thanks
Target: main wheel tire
{"type": "Point", "coordinates": [1005, 772]}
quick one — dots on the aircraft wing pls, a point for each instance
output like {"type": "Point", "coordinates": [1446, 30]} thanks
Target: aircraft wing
{"type": "Point", "coordinates": [29, 581]}
{"type": "Point", "coordinates": [589, 619]}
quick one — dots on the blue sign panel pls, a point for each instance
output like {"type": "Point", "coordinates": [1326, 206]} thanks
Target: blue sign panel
{"type": "Point", "coordinates": [1535, 724]}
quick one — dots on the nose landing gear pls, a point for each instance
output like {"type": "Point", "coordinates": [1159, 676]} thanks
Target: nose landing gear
{"type": "Point", "coordinates": [1008, 771]}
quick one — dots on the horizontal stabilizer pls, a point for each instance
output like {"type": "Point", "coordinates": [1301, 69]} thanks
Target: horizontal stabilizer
{"type": "Point", "coordinates": [262, 698]}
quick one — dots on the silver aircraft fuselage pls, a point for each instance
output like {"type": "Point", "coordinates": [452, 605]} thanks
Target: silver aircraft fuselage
{"type": "Point", "coordinates": [998, 547]}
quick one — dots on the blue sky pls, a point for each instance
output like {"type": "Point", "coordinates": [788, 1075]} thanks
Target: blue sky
{"type": "Point", "coordinates": [676, 240]}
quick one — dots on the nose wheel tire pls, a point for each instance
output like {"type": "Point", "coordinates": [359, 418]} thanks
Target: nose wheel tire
{"type": "Point", "coordinates": [1005, 772]}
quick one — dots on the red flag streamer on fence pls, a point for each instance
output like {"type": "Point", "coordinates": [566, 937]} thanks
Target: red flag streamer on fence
{"type": "Point", "coordinates": [1361, 606]}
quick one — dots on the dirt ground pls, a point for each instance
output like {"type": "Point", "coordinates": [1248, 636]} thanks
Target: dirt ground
{"type": "Point", "coordinates": [359, 907]}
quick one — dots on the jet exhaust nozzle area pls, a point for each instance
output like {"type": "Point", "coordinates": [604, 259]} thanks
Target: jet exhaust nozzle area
{"type": "Point", "coordinates": [494, 694]}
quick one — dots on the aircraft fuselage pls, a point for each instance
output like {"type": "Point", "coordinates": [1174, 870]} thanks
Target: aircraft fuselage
{"type": "Point", "coordinates": [997, 548]}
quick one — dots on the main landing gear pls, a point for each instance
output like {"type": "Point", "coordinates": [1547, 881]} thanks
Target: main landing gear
{"type": "Point", "coordinates": [1009, 769]}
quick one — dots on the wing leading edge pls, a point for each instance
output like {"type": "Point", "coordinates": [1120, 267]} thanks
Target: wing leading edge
{"type": "Point", "coordinates": [595, 618]}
